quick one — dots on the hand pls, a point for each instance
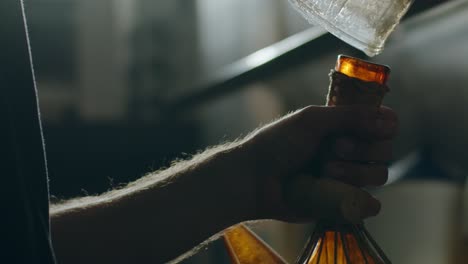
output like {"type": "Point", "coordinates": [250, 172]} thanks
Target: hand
{"type": "Point", "coordinates": [310, 164]}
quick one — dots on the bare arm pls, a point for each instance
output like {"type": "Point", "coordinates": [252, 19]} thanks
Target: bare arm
{"type": "Point", "coordinates": [156, 218]}
{"type": "Point", "coordinates": [263, 176]}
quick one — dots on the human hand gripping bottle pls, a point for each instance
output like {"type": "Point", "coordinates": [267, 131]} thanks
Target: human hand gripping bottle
{"type": "Point", "coordinates": [366, 25]}
{"type": "Point", "coordinates": [353, 82]}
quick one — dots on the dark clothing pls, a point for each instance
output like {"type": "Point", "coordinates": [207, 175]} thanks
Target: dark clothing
{"type": "Point", "coordinates": [24, 220]}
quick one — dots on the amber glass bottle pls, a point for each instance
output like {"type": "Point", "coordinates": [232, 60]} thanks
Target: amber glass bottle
{"type": "Point", "coordinates": [353, 82]}
{"type": "Point", "coordinates": [245, 247]}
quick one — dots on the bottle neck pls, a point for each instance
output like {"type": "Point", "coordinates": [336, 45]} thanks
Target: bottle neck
{"type": "Point", "coordinates": [363, 70]}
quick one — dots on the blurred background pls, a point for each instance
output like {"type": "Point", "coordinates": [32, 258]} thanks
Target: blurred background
{"type": "Point", "coordinates": [126, 86]}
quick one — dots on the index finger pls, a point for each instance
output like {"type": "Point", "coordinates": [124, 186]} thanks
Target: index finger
{"type": "Point", "coordinates": [364, 122]}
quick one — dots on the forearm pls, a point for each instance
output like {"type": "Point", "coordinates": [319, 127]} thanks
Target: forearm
{"type": "Point", "coordinates": [156, 218]}
{"type": "Point", "coordinates": [165, 214]}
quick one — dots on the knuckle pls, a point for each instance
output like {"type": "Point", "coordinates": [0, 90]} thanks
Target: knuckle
{"type": "Point", "coordinates": [308, 111]}
{"type": "Point", "coordinates": [307, 115]}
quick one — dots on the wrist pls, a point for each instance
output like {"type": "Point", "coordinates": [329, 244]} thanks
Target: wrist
{"type": "Point", "coordinates": [238, 182]}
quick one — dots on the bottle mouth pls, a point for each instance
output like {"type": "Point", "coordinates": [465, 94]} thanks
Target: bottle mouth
{"type": "Point", "coordinates": [363, 70]}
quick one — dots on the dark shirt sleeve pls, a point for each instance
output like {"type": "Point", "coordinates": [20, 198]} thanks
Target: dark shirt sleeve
{"type": "Point", "coordinates": [24, 219]}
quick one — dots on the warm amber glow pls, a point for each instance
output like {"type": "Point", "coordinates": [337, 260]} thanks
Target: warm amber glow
{"type": "Point", "coordinates": [330, 249]}
{"type": "Point", "coordinates": [247, 248]}
{"type": "Point", "coordinates": [363, 70]}
{"type": "Point", "coordinates": [346, 243]}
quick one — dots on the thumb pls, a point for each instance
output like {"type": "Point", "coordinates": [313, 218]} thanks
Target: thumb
{"type": "Point", "coordinates": [320, 198]}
